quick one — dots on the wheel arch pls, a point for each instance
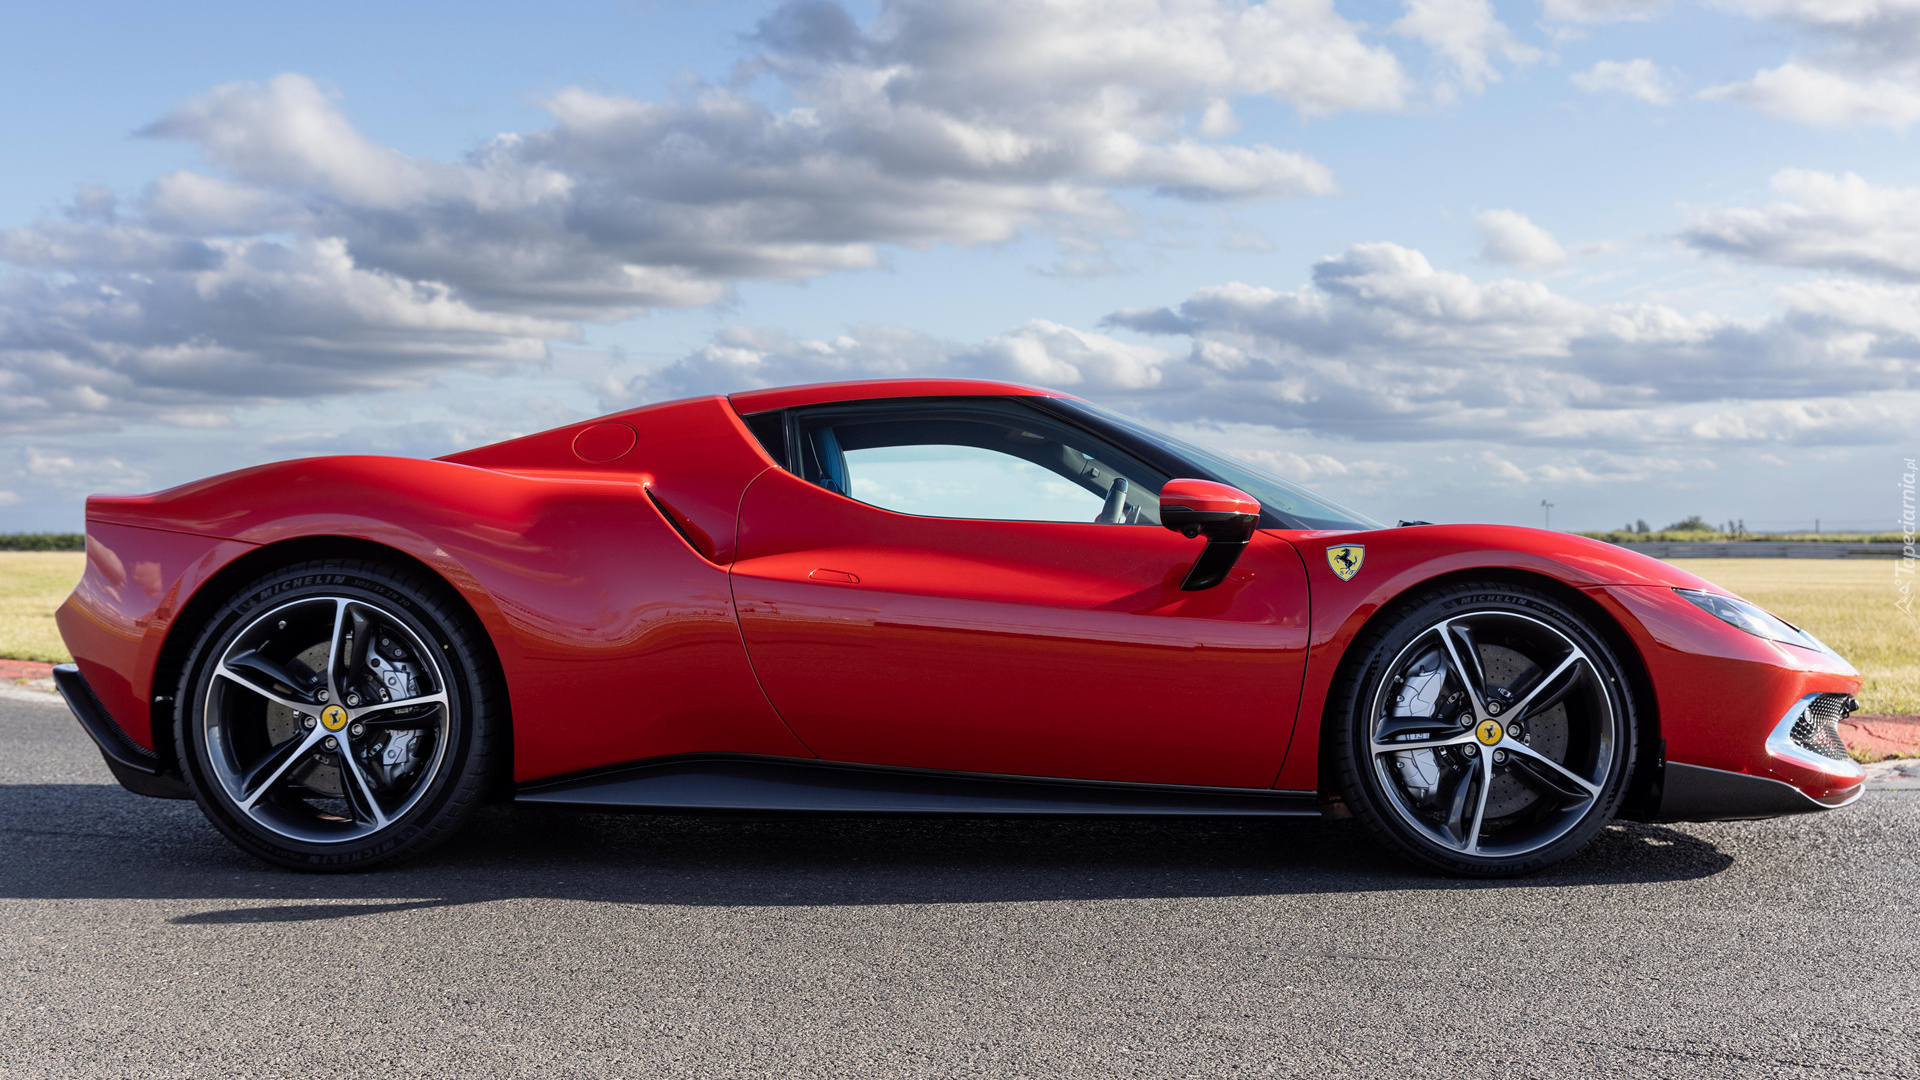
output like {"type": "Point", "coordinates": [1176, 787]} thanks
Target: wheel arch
{"type": "Point", "coordinates": [1643, 788]}
{"type": "Point", "coordinates": [186, 627]}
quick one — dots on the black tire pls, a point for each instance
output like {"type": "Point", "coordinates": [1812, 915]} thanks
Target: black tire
{"type": "Point", "coordinates": [1411, 752]}
{"type": "Point", "coordinates": [409, 762]}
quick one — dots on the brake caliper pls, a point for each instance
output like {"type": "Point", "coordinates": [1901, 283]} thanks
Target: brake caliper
{"type": "Point", "coordinates": [393, 757]}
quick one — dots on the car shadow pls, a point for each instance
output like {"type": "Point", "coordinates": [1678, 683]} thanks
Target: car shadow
{"type": "Point", "coordinates": [92, 841]}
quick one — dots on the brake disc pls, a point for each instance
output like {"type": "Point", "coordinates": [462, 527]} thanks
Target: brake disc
{"type": "Point", "coordinates": [1545, 732]}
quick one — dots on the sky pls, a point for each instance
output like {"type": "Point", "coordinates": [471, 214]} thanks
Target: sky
{"type": "Point", "coordinates": [1444, 260]}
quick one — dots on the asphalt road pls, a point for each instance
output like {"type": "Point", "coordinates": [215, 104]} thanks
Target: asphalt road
{"type": "Point", "coordinates": [135, 942]}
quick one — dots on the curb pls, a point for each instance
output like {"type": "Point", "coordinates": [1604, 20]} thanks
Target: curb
{"type": "Point", "coordinates": [25, 669]}
{"type": "Point", "coordinates": [1880, 736]}
{"type": "Point", "coordinates": [27, 680]}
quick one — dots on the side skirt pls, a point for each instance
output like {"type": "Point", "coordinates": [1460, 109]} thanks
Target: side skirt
{"type": "Point", "coordinates": [784, 785]}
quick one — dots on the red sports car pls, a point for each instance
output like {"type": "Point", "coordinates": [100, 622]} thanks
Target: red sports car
{"type": "Point", "coordinates": [911, 597]}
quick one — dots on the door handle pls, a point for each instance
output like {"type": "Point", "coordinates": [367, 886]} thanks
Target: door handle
{"type": "Point", "coordinates": [840, 576]}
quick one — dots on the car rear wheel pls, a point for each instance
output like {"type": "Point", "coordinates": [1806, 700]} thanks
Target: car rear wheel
{"type": "Point", "coordinates": [338, 714]}
{"type": "Point", "coordinates": [1486, 730]}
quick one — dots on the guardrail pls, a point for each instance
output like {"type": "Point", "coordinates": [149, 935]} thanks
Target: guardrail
{"type": "Point", "coordinates": [1766, 549]}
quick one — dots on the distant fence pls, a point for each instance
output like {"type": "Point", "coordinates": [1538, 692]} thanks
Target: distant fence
{"type": "Point", "coordinates": [1766, 549]}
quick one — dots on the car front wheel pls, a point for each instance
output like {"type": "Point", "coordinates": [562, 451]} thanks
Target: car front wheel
{"type": "Point", "coordinates": [1486, 730]}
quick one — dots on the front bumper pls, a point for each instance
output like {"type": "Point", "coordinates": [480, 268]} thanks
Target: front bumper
{"type": "Point", "coordinates": [137, 768]}
{"type": "Point", "coordinates": [1801, 741]}
{"type": "Point", "coordinates": [1728, 703]}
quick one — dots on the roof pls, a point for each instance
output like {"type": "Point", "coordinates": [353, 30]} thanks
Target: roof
{"type": "Point", "coordinates": [788, 397]}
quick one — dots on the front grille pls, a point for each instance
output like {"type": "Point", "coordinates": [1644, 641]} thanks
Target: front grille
{"type": "Point", "coordinates": [1818, 729]}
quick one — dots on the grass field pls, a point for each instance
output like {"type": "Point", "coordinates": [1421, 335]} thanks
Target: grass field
{"type": "Point", "coordinates": [32, 584]}
{"type": "Point", "coordinates": [1847, 603]}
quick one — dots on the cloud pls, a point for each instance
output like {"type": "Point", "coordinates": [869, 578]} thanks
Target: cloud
{"type": "Point", "coordinates": [1582, 469]}
{"type": "Point", "coordinates": [1051, 60]}
{"type": "Point", "coordinates": [1512, 239]}
{"type": "Point", "coordinates": [939, 123]}
{"type": "Point", "coordinates": [1362, 474]}
{"type": "Point", "coordinates": [1865, 72]}
{"type": "Point", "coordinates": [247, 320]}
{"type": "Point", "coordinates": [1824, 96]}
{"type": "Point", "coordinates": [1598, 11]}
{"type": "Point", "coordinates": [1642, 79]}
{"type": "Point", "coordinates": [1826, 221]}
{"type": "Point", "coordinates": [63, 472]}
{"type": "Point", "coordinates": [1854, 18]}
{"type": "Point", "coordinates": [1467, 35]}
{"type": "Point", "coordinates": [1038, 352]}
{"type": "Point", "coordinates": [1383, 346]}
{"type": "Point", "coordinates": [287, 134]}
{"type": "Point", "coordinates": [306, 258]}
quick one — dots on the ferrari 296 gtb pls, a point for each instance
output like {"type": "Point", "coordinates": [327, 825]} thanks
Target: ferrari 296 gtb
{"type": "Point", "coordinates": [911, 597]}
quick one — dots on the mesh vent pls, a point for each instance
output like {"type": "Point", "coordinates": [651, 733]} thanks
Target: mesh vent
{"type": "Point", "coordinates": [1818, 729]}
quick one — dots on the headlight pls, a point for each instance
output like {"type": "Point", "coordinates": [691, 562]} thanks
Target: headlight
{"type": "Point", "coordinates": [1754, 620]}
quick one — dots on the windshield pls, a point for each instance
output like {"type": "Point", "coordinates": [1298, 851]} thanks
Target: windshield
{"type": "Point", "coordinates": [1297, 507]}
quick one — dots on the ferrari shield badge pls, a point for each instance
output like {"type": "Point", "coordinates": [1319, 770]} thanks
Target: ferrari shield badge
{"type": "Point", "coordinates": [1346, 559]}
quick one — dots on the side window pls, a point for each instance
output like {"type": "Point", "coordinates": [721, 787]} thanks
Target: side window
{"type": "Point", "coordinates": [994, 460]}
{"type": "Point", "coordinates": [771, 429]}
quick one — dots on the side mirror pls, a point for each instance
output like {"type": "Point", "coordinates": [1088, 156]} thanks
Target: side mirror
{"type": "Point", "coordinates": [1224, 515]}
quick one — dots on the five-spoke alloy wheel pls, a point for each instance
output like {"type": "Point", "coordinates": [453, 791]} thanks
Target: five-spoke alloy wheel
{"type": "Point", "coordinates": [337, 714]}
{"type": "Point", "coordinates": [1486, 730]}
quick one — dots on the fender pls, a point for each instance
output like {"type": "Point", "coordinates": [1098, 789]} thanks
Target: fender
{"type": "Point", "coordinates": [615, 618]}
{"type": "Point", "coordinates": [1398, 560]}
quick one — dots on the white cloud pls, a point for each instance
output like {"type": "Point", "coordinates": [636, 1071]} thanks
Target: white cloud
{"type": "Point", "coordinates": [1467, 35]}
{"type": "Point", "coordinates": [939, 123]}
{"type": "Point", "coordinates": [1826, 97]}
{"type": "Point", "coordinates": [1363, 474]}
{"type": "Point", "coordinates": [103, 246]}
{"type": "Point", "coordinates": [307, 258]}
{"type": "Point", "coordinates": [1851, 16]}
{"type": "Point", "coordinates": [251, 320]}
{"type": "Point", "coordinates": [188, 203]}
{"type": "Point", "coordinates": [1581, 469]}
{"type": "Point", "coordinates": [1512, 239]}
{"type": "Point", "coordinates": [1865, 72]}
{"type": "Point", "coordinates": [1825, 221]}
{"type": "Point", "coordinates": [1039, 352]}
{"type": "Point", "coordinates": [288, 134]}
{"type": "Point", "coordinates": [1051, 59]}
{"type": "Point", "coordinates": [1642, 79]}
{"type": "Point", "coordinates": [64, 472]}
{"type": "Point", "coordinates": [1217, 120]}
{"type": "Point", "coordinates": [1598, 11]}
{"type": "Point", "coordinates": [1383, 346]}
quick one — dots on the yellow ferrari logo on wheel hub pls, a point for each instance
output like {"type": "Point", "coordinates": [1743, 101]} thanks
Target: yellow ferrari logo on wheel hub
{"type": "Point", "coordinates": [333, 718]}
{"type": "Point", "coordinates": [1489, 731]}
{"type": "Point", "coordinates": [1346, 559]}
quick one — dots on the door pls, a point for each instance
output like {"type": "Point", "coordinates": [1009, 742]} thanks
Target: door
{"type": "Point", "coordinates": [970, 584]}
